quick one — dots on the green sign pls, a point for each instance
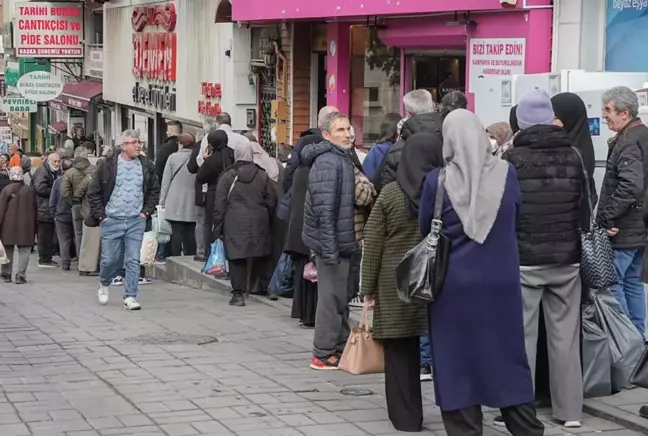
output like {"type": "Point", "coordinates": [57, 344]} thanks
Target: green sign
{"type": "Point", "coordinates": [16, 68]}
{"type": "Point", "coordinates": [19, 104]}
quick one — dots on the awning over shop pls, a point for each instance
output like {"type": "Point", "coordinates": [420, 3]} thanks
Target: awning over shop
{"type": "Point", "coordinates": [78, 95]}
{"type": "Point", "coordinates": [59, 127]}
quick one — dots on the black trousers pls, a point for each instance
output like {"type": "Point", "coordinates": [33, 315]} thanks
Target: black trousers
{"type": "Point", "coordinates": [46, 235]}
{"type": "Point", "coordinates": [403, 384]}
{"type": "Point", "coordinates": [249, 274]}
{"type": "Point", "coordinates": [183, 238]}
{"type": "Point", "coordinates": [520, 421]}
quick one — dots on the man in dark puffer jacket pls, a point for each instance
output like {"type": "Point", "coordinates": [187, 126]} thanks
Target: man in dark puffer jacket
{"type": "Point", "coordinates": [329, 233]}
{"type": "Point", "coordinates": [420, 109]}
{"type": "Point", "coordinates": [622, 195]}
{"type": "Point", "coordinates": [551, 179]}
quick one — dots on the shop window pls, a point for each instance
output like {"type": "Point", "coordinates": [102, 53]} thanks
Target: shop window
{"type": "Point", "coordinates": [375, 83]}
{"type": "Point", "coordinates": [96, 37]}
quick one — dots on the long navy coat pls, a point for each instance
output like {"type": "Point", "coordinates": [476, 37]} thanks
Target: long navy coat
{"type": "Point", "coordinates": [476, 325]}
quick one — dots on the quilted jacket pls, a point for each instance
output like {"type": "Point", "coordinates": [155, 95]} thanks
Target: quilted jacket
{"type": "Point", "coordinates": [328, 212]}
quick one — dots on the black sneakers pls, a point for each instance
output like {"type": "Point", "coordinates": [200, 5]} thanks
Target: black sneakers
{"type": "Point", "coordinates": [237, 299]}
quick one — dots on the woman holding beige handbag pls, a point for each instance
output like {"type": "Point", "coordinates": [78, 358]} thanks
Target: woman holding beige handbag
{"type": "Point", "coordinates": [391, 231]}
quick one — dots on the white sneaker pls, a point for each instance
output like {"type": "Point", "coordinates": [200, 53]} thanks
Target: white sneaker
{"type": "Point", "coordinates": [131, 304]}
{"type": "Point", "coordinates": [144, 281]}
{"type": "Point", "coordinates": [117, 281]}
{"type": "Point", "coordinates": [572, 424]}
{"type": "Point", "coordinates": [103, 293]}
{"type": "Point", "coordinates": [357, 302]}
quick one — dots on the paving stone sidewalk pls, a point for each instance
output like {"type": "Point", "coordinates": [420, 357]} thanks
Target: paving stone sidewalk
{"type": "Point", "coordinates": [71, 367]}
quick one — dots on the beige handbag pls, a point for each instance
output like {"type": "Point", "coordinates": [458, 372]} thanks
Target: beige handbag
{"type": "Point", "coordinates": [362, 355]}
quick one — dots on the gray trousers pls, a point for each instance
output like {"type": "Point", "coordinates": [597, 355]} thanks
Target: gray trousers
{"type": "Point", "coordinates": [332, 316]}
{"type": "Point", "coordinates": [23, 260]}
{"type": "Point", "coordinates": [77, 222]}
{"type": "Point", "coordinates": [558, 289]}
{"type": "Point", "coordinates": [65, 234]}
{"type": "Point", "coordinates": [201, 223]}
{"type": "Point", "coordinates": [90, 249]}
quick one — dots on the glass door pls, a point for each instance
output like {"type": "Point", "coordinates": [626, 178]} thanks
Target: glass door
{"type": "Point", "coordinates": [438, 73]}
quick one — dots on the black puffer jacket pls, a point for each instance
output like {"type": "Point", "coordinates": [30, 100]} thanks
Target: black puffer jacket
{"type": "Point", "coordinates": [245, 202]}
{"type": "Point", "coordinates": [624, 187]}
{"type": "Point", "coordinates": [43, 182]}
{"type": "Point", "coordinates": [328, 213]}
{"type": "Point", "coordinates": [386, 172]}
{"type": "Point", "coordinates": [551, 180]}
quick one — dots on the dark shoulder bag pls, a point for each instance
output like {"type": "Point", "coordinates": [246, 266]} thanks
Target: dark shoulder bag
{"type": "Point", "coordinates": [597, 256]}
{"type": "Point", "coordinates": [421, 274]}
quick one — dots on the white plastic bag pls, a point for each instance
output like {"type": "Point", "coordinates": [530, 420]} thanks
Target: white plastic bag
{"type": "Point", "coordinates": [161, 226]}
{"type": "Point", "coordinates": [3, 255]}
{"type": "Point", "coordinates": [149, 248]}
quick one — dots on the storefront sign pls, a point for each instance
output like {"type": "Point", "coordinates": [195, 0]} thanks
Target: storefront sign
{"type": "Point", "coordinates": [57, 106]}
{"type": "Point", "coordinates": [94, 66]}
{"type": "Point", "coordinates": [626, 32]}
{"type": "Point", "coordinates": [496, 57]}
{"type": "Point", "coordinates": [40, 86]}
{"type": "Point", "coordinates": [209, 104]}
{"type": "Point", "coordinates": [3, 87]}
{"type": "Point", "coordinates": [19, 104]}
{"type": "Point", "coordinates": [158, 96]}
{"type": "Point", "coordinates": [76, 103]}
{"type": "Point", "coordinates": [5, 139]}
{"type": "Point", "coordinates": [48, 30]}
{"type": "Point", "coordinates": [155, 51]}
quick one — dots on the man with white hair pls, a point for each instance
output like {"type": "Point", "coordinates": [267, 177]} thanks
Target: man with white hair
{"type": "Point", "coordinates": [421, 116]}
{"type": "Point", "coordinates": [307, 137]}
{"type": "Point", "coordinates": [43, 182]}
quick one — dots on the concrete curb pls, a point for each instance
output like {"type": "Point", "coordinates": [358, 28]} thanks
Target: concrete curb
{"type": "Point", "coordinates": [611, 413]}
{"type": "Point", "coordinates": [185, 271]}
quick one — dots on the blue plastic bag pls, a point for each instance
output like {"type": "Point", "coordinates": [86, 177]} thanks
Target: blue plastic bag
{"type": "Point", "coordinates": [281, 283]}
{"type": "Point", "coordinates": [216, 265]}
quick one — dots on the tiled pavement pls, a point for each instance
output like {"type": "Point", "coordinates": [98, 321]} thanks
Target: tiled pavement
{"type": "Point", "coordinates": [70, 367]}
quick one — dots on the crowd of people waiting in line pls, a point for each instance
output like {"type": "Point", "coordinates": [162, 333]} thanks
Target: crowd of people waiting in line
{"type": "Point", "coordinates": [512, 205]}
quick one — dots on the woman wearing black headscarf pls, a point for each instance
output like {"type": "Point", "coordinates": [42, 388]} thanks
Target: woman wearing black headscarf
{"type": "Point", "coordinates": [391, 231]}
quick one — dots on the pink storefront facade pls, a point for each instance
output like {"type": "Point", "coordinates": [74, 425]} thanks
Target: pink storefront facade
{"type": "Point", "coordinates": [415, 29]}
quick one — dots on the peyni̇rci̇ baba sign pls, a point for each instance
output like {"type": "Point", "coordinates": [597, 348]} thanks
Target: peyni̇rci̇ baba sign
{"type": "Point", "coordinates": [48, 30]}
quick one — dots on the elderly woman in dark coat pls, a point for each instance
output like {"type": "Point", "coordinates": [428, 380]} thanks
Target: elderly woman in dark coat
{"type": "Point", "coordinates": [245, 201]}
{"type": "Point", "coordinates": [476, 325]}
{"type": "Point", "coordinates": [17, 224]}
{"type": "Point", "coordinates": [391, 231]}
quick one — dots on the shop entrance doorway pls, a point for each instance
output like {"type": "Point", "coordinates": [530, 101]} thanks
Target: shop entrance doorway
{"type": "Point", "coordinates": [438, 71]}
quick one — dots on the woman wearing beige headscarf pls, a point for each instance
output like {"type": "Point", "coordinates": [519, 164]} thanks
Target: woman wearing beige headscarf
{"type": "Point", "coordinates": [476, 326]}
{"type": "Point", "coordinates": [499, 135]}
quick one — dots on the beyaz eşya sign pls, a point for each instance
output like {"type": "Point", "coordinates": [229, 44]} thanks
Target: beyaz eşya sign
{"type": "Point", "coordinates": [48, 30]}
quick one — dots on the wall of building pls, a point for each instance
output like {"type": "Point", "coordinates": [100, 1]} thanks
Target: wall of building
{"type": "Point", "coordinates": [206, 52]}
{"type": "Point", "coordinates": [579, 31]}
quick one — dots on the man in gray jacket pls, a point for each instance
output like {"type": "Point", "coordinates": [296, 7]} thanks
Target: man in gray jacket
{"type": "Point", "coordinates": [329, 233]}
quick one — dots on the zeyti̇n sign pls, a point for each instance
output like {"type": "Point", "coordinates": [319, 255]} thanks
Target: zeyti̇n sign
{"type": "Point", "coordinates": [154, 41]}
{"type": "Point", "coordinates": [48, 30]}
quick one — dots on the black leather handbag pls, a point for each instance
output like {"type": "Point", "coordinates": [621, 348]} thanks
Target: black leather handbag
{"type": "Point", "coordinates": [422, 271]}
{"type": "Point", "coordinates": [597, 256]}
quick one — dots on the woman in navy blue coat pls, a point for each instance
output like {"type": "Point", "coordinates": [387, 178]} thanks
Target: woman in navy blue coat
{"type": "Point", "coordinates": [476, 326]}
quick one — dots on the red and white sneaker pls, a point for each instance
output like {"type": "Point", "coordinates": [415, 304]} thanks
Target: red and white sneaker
{"type": "Point", "coordinates": [328, 364]}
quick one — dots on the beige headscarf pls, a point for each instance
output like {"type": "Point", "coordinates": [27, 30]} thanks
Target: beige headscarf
{"type": "Point", "coordinates": [265, 161]}
{"type": "Point", "coordinates": [475, 179]}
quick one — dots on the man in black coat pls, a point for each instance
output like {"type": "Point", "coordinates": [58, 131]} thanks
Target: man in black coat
{"type": "Point", "coordinates": [170, 146]}
{"type": "Point", "coordinates": [310, 136]}
{"type": "Point", "coordinates": [420, 109]}
{"type": "Point", "coordinates": [329, 233]}
{"type": "Point", "coordinates": [623, 194]}
{"type": "Point", "coordinates": [43, 182]}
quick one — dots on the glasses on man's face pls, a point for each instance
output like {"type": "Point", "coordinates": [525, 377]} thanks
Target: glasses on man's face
{"type": "Point", "coordinates": [130, 142]}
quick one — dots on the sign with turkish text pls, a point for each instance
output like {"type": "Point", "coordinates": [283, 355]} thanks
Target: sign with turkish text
{"type": "Point", "coordinates": [48, 30]}
{"type": "Point", "coordinates": [40, 86]}
{"type": "Point", "coordinates": [158, 96]}
{"type": "Point", "coordinates": [5, 139]}
{"type": "Point", "coordinates": [19, 104]}
{"type": "Point", "coordinates": [626, 30]}
{"type": "Point", "coordinates": [57, 105]}
{"type": "Point", "coordinates": [154, 42]}
{"type": "Point", "coordinates": [94, 63]}
{"type": "Point", "coordinates": [210, 102]}
{"type": "Point", "coordinates": [495, 57]}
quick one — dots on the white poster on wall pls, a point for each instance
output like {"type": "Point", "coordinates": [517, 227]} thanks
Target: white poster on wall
{"type": "Point", "coordinates": [495, 57]}
{"type": "Point", "coordinates": [5, 139]}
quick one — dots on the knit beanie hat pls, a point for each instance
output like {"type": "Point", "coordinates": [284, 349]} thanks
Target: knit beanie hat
{"type": "Point", "coordinates": [534, 109]}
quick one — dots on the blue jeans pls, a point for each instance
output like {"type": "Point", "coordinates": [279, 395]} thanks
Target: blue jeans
{"type": "Point", "coordinates": [424, 346]}
{"type": "Point", "coordinates": [629, 292]}
{"type": "Point", "coordinates": [121, 235]}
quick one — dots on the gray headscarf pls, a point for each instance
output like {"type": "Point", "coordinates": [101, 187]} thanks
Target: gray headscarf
{"type": "Point", "coordinates": [243, 152]}
{"type": "Point", "coordinates": [265, 161]}
{"type": "Point", "coordinates": [475, 179]}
